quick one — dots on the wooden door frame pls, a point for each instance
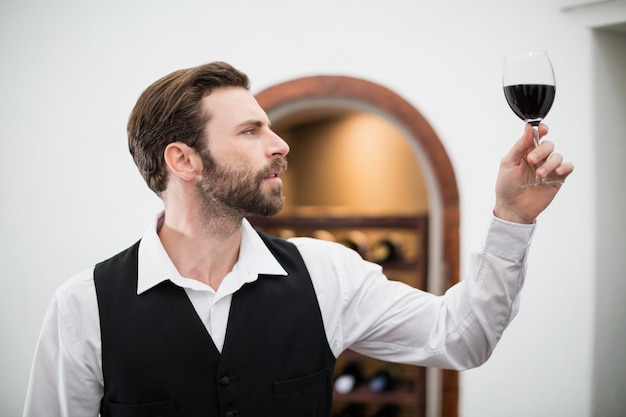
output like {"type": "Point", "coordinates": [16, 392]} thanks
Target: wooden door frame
{"type": "Point", "coordinates": [387, 102]}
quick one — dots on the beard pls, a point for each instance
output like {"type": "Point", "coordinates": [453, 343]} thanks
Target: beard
{"type": "Point", "coordinates": [239, 192]}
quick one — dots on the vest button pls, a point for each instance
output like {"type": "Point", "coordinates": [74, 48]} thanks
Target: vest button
{"type": "Point", "coordinates": [225, 381]}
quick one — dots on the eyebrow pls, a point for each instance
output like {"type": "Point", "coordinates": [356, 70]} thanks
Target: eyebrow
{"type": "Point", "coordinates": [252, 122]}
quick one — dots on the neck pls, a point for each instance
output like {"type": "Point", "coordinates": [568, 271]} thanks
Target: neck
{"type": "Point", "coordinates": [202, 246]}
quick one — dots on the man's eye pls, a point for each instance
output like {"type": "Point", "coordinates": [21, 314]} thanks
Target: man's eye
{"type": "Point", "coordinates": [249, 131]}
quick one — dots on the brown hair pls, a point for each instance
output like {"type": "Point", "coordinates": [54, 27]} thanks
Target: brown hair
{"type": "Point", "coordinates": [170, 110]}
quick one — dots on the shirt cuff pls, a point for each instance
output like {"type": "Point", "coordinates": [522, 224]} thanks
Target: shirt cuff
{"type": "Point", "coordinates": [508, 240]}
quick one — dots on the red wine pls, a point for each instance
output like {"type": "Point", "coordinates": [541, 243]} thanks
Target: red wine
{"type": "Point", "coordinates": [531, 102]}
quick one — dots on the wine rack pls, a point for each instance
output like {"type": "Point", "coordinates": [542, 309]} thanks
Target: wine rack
{"type": "Point", "coordinates": [399, 245]}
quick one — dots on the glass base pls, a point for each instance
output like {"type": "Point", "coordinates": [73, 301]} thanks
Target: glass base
{"type": "Point", "coordinates": [539, 182]}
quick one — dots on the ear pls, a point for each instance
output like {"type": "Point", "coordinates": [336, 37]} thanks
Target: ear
{"type": "Point", "coordinates": [182, 161]}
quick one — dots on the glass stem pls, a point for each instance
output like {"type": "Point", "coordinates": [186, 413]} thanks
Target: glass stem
{"type": "Point", "coordinates": [536, 141]}
{"type": "Point", "coordinates": [536, 135]}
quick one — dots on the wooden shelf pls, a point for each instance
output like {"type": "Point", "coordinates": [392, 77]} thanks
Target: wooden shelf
{"type": "Point", "coordinates": [399, 395]}
{"type": "Point", "coordinates": [331, 222]}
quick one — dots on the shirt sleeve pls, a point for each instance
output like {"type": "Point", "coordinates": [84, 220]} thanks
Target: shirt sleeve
{"type": "Point", "coordinates": [389, 320]}
{"type": "Point", "coordinates": [66, 376]}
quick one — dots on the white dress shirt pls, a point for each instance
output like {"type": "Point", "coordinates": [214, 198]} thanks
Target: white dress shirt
{"type": "Point", "coordinates": [361, 310]}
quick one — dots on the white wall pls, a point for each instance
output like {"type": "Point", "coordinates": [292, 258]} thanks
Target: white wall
{"type": "Point", "coordinates": [609, 353]}
{"type": "Point", "coordinates": [72, 70]}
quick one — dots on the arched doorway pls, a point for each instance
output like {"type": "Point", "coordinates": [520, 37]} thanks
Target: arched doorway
{"type": "Point", "coordinates": [318, 96]}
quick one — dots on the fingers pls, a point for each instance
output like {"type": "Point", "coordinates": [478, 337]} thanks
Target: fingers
{"type": "Point", "coordinates": [541, 152]}
{"type": "Point", "coordinates": [530, 161]}
{"type": "Point", "coordinates": [525, 144]}
{"type": "Point", "coordinates": [564, 169]}
{"type": "Point", "coordinates": [549, 163]}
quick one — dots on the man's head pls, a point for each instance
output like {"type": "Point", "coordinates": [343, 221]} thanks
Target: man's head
{"type": "Point", "coordinates": [170, 110]}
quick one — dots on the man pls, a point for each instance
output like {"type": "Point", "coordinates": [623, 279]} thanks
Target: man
{"type": "Point", "coordinates": [204, 316]}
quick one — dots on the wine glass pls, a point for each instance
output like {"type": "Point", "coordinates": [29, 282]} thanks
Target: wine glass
{"type": "Point", "coordinates": [529, 88]}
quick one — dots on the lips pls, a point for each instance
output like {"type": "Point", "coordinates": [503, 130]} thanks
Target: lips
{"type": "Point", "coordinates": [277, 168]}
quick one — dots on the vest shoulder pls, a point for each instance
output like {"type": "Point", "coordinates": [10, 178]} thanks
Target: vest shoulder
{"type": "Point", "coordinates": [122, 257]}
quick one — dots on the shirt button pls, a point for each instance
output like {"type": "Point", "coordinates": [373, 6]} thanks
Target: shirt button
{"type": "Point", "coordinates": [225, 381]}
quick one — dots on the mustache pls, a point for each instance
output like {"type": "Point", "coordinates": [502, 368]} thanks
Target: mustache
{"type": "Point", "coordinates": [278, 164]}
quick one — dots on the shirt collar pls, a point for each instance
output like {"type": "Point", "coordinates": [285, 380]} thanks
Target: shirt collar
{"type": "Point", "coordinates": [155, 266]}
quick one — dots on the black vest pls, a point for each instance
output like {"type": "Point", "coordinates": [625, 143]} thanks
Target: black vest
{"type": "Point", "coordinates": [159, 360]}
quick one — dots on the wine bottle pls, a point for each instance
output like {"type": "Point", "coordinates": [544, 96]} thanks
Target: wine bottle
{"type": "Point", "coordinates": [386, 249]}
{"type": "Point", "coordinates": [381, 381]}
{"type": "Point", "coordinates": [349, 378]}
{"type": "Point", "coordinates": [324, 235]}
{"type": "Point", "coordinates": [388, 411]}
{"type": "Point", "coordinates": [355, 240]}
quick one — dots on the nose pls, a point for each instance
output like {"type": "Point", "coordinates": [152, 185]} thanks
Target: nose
{"type": "Point", "coordinates": [278, 145]}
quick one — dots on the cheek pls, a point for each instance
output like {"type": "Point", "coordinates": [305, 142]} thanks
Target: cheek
{"type": "Point", "coordinates": [244, 154]}
{"type": "Point", "coordinates": [245, 159]}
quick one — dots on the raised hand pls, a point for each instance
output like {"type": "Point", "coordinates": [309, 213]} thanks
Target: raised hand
{"type": "Point", "coordinates": [519, 166]}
